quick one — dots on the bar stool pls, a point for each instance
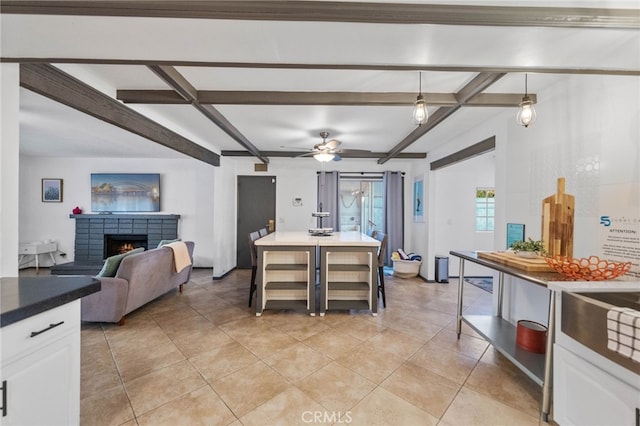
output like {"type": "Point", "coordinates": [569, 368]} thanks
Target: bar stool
{"type": "Point", "coordinates": [382, 237]}
{"type": "Point", "coordinates": [253, 252]}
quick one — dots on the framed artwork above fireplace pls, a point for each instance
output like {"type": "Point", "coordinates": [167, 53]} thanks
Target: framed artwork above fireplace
{"type": "Point", "coordinates": [125, 192]}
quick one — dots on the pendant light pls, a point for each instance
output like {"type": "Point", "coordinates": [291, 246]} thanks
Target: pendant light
{"type": "Point", "coordinates": [420, 113]}
{"type": "Point", "coordinates": [526, 113]}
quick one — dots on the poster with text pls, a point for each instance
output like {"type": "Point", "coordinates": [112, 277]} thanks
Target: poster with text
{"type": "Point", "coordinates": [620, 240]}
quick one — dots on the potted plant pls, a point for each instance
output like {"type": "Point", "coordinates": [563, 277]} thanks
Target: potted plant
{"type": "Point", "coordinates": [529, 248]}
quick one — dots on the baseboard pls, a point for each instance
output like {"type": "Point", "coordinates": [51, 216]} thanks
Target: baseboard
{"type": "Point", "coordinates": [215, 278]}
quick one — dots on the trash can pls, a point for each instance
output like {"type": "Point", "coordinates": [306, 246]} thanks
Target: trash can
{"type": "Point", "coordinates": [442, 269]}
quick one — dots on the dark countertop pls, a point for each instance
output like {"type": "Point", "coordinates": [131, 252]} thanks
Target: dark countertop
{"type": "Point", "coordinates": [24, 297]}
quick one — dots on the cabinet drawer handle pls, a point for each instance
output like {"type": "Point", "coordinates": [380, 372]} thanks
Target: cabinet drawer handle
{"type": "Point", "coordinates": [4, 398]}
{"type": "Point", "coordinates": [35, 333]}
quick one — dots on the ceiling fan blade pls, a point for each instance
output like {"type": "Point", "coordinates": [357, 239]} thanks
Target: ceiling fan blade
{"type": "Point", "coordinates": [352, 151]}
{"type": "Point", "coordinates": [296, 148]}
{"type": "Point", "coordinates": [332, 144]}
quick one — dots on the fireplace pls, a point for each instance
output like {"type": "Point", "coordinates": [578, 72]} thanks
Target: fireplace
{"type": "Point", "coordinates": [90, 248]}
{"type": "Point", "coordinates": [122, 243]}
{"type": "Point", "coordinates": [91, 230]}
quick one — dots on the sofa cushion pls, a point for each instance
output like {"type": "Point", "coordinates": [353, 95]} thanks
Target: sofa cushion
{"type": "Point", "coordinates": [112, 263]}
{"type": "Point", "coordinates": [165, 242]}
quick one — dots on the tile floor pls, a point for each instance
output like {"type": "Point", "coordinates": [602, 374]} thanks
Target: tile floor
{"type": "Point", "coordinates": [203, 357]}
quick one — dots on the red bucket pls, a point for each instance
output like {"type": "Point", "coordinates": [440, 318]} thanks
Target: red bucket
{"type": "Point", "coordinates": [531, 336]}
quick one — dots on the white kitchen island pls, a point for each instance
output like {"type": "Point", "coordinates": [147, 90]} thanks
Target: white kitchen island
{"type": "Point", "coordinates": [286, 275]}
{"type": "Point", "coordinates": [40, 348]}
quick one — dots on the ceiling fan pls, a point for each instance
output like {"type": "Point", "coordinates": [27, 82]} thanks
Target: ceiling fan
{"type": "Point", "coordinates": [329, 150]}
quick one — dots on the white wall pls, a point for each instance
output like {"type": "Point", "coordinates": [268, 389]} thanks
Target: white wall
{"type": "Point", "coordinates": [454, 210]}
{"type": "Point", "coordinates": [204, 196]}
{"type": "Point", "coordinates": [450, 199]}
{"type": "Point", "coordinates": [224, 218]}
{"type": "Point", "coordinates": [294, 178]}
{"type": "Point", "coordinates": [582, 120]}
{"type": "Point", "coordinates": [9, 165]}
{"type": "Point", "coordinates": [186, 187]}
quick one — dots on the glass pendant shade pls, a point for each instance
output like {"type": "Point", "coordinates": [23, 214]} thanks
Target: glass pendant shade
{"type": "Point", "coordinates": [323, 157]}
{"type": "Point", "coordinates": [527, 113]}
{"type": "Point", "coordinates": [420, 113]}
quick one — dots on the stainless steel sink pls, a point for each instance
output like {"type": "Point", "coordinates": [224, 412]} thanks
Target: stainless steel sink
{"type": "Point", "coordinates": [584, 318]}
{"type": "Point", "coordinates": [620, 299]}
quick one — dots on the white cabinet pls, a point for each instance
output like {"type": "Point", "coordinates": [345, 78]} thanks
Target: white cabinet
{"type": "Point", "coordinates": [286, 278]}
{"type": "Point", "coordinates": [348, 278]}
{"type": "Point", "coordinates": [41, 368]}
{"type": "Point", "coordinates": [586, 395]}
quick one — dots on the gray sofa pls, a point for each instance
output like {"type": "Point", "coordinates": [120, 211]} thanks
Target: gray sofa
{"type": "Point", "coordinates": [141, 277]}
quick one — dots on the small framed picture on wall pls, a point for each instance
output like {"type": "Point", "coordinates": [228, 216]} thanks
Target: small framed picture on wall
{"type": "Point", "coordinates": [418, 199]}
{"type": "Point", "coordinates": [51, 190]}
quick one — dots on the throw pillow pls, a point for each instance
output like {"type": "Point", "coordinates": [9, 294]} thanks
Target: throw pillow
{"type": "Point", "coordinates": [165, 242]}
{"type": "Point", "coordinates": [112, 263]}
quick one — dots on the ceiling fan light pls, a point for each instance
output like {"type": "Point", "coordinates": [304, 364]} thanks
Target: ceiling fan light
{"type": "Point", "coordinates": [526, 113]}
{"type": "Point", "coordinates": [420, 112]}
{"type": "Point", "coordinates": [323, 157]}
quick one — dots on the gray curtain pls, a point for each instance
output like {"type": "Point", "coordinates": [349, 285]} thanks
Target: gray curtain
{"type": "Point", "coordinates": [394, 218]}
{"type": "Point", "coordinates": [328, 193]}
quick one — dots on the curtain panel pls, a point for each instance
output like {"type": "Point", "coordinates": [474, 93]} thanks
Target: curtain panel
{"type": "Point", "coordinates": [328, 198]}
{"type": "Point", "coordinates": [394, 216]}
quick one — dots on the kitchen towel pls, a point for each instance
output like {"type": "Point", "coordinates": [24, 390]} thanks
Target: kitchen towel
{"type": "Point", "coordinates": [623, 332]}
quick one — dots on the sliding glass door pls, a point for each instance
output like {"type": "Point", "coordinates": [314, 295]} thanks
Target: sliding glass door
{"type": "Point", "coordinates": [361, 204]}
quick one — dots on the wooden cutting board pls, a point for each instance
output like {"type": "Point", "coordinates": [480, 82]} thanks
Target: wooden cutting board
{"type": "Point", "coordinates": [537, 264]}
{"type": "Point", "coordinates": [557, 222]}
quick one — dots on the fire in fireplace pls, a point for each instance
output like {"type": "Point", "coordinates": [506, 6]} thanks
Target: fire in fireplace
{"type": "Point", "coordinates": [122, 243]}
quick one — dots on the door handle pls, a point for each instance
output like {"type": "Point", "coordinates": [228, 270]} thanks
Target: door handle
{"type": "Point", "coordinates": [51, 326]}
{"type": "Point", "coordinates": [4, 398]}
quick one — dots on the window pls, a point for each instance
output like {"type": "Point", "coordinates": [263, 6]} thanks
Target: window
{"type": "Point", "coordinates": [485, 209]}
{"type": "Point", "coordinates": [361, 204]}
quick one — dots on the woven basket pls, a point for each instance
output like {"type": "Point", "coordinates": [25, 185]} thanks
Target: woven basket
{"type": "Point", "coordinates": [406, 268]}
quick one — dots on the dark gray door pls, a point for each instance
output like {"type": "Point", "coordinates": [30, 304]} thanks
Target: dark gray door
{"type": "Point", "coordinates": [256, 209]}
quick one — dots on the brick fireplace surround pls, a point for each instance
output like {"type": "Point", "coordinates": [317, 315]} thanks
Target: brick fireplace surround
{"type": "Point", "coordinates": [92, 228]}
